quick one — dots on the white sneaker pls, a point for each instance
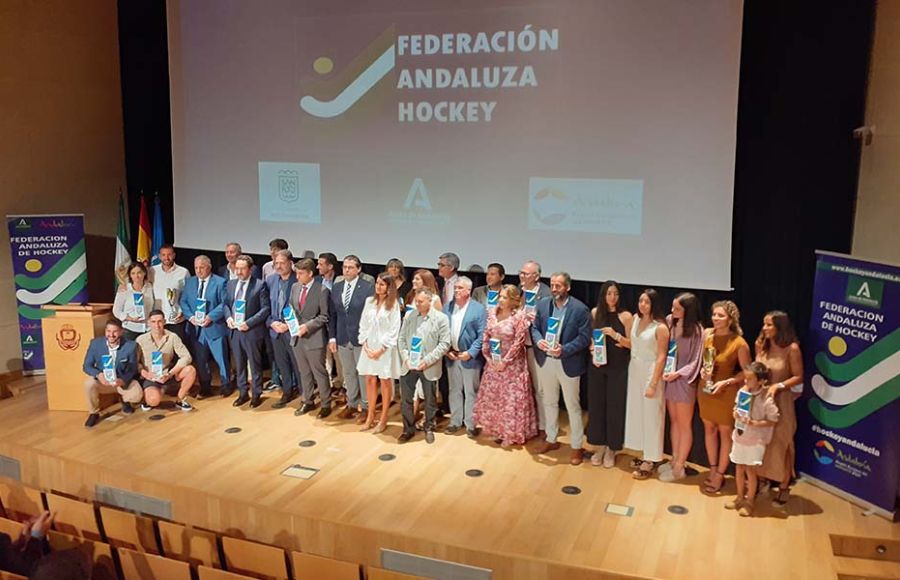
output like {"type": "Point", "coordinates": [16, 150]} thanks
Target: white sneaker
{"type": "Point", "coordinates": [609, 458]}
{"type": "Point", "coordinates": [597, 457]}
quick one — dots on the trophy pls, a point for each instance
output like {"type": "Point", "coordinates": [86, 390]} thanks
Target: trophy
{"type": "Point", "coordinates": [709, 363]}
{"type": "Point", "coordinates": [173, 307]}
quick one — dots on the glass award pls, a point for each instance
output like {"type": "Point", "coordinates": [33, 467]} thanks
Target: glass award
{"type": "Point", "coordinates": [744, 399]}
{"type": "Point", "coordinates": [156, 363]}
{"type": "Point", "coordinates": [552, 336]}
{"type": "Point", "coordinates": [493, 298]}
{"type": "Point", "coordinates": [599, 347]}
{"type": "Point", "coordinates": [496, 355]}
{"type": "Point", "coordinates": [291, 320]}
{"type": "Point", "coordinates": [200, 311]}
{"type": "Point", "coordinates": [109, 368]}
{"type": "Point", "coordinates": [240, 312]}
{"type": "Point", "coordinates": [671, 357]}
{"type": "Point", "coordinates": [530, 300]}
{"type": "Point", "coordinates": [138, 298]}
{"type": "Point", "coordinates": [415, 351]}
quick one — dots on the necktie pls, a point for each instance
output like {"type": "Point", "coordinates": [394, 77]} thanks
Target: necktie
{"type": "Point", "coordinates": [202, 288]}
{"type": "Point", "coordinates": [241, 289]}
{"type": "Point", "coordinates": [302, 297]}
{"type": "Point", "coordinates": [347, 291]}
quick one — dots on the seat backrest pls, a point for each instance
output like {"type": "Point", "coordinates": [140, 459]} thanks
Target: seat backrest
{"type": "Point", "coordinates": [128, 530]}
{"type": "Point", "coordinates": [11, 528]}
{"type": "Point", "coordinates": [373, 573]}
{"type": "Point", "coordinates": [311, 567]}
{"type": "Point", "coordinates": [20, 502]}
{"type": "Point", "coordinates": [143, 566]}
{"type": "Point", "coordinates": [74, 517]}
{"type": "Point", "coordinates": [207, 573]}
{"type": "Point", "coordinates": [98, 553]}
{"type": "Point", "coordinates": [258, 560]}
{"type": "Point", "coordinates": [11, 576]}
{"type": "Point", "coordinates": [189, 544]}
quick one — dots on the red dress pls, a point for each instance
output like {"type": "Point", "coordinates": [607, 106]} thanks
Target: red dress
{"type": "Point", "coordinates": [505, 405]}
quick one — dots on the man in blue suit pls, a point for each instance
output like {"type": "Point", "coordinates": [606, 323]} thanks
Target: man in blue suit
{"type": "Point", "coordinates": [348, 298]}
{"type": "Point", "coordinates": [121, 380]}
{"type": "Point", "coordinates": [203, 300]}
{"type": "Point", "coordinates": [464, 361]}
{"type": "Point", "coordinates": [246, 310]}
{"type": "Point", "coordinates": [279, 285]}
{"type": "Point", "coordinates": [561, 360]}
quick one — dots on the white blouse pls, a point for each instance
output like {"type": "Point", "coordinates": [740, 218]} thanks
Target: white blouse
{"type": "Point", "coordinates": [123, 306]}
{"type": "Point", "coordinates": [379, 327]}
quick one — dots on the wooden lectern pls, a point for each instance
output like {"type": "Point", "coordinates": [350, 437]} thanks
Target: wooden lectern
{"type": "Point", "coordinates": [66, 337]}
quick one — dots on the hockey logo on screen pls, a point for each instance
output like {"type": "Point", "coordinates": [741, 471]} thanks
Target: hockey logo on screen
{"type": "Point", "coordinates": [428, 62]}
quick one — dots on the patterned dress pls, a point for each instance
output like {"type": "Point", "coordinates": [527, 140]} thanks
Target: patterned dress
{"type": "Point", "coordinates": [505, 405]}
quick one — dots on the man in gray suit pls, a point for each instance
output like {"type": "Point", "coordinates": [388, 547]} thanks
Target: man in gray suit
{"type": "Point", "coordinates": [310, 301]}
{"type": "Point", "coordinates": [432, 331]}
{"type": "Point", "coordinates": [494, 278]}
{"type": "Point", "coordinates": [530, 281]}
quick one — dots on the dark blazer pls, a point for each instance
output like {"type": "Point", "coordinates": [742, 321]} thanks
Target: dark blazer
{"type": "Point", "coordinates": [215, 307]}
{"type": "Point", "coordinates": [254, 272]}
{"type": "Point", "coordinates": [314, 314]}
{"type": "Point", "coordinates": [343, 325]}
{"type": "Point", "coordinates": [471, 334]}
{"type": "Point", "coordinates": [126, 358]}
{"type": "Point", "coordinates": [575, 337]}
{"type": "Point", "coordinates": [257, 310]}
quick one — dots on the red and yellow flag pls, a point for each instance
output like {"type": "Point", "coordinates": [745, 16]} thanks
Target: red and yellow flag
{"type": "Point", "coordinates": [143, 239]}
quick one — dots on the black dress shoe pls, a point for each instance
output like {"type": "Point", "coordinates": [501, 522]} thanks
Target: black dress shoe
{"type": "Point", "coordinates": [286, 397]}
{"type": "Point", "coordinates": [127, 408]}
{"type": "Point", "coordinates": [92, 420]}
{"type": "Point", "coordinates": [324, 412]}
{"type": "Point", "coordinates": [205, 392]}
{"type": "Point", "coordinates": [240, 400]}
{"type": "Point", "coordinates": [429, 436]}
{"type": "Point", "coordinates": [226, 392]}
{"type": "Point", "coordinates": [473, 433]}
{"type": "Point", "coordinates": [255, 402]}
{"type": "Point", "coordinates": [405, 437]}
{"type": "Point", "coordinates": [304, 409]}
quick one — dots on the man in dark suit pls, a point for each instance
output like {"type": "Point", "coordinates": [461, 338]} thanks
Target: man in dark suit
{"type": "Point", "coordinates": [246, 310]}
{"type": "Point", "coordinates": [561, 360]}
{"type": "Point", "coordinates": [279, 285]}
{"type": "Point", "coordinates": [203, 300]}
{"type": "Point", "coordinates": [121, 380]}
{"type": "Point", "coordinates": [347, 302]}
{"type": "Point", "coordinates": [310, 301]}
{"type": "Point", "coordinates": [228, 271]}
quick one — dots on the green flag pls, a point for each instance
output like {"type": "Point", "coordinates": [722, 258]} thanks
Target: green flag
{"type": "Point", "coordinates": [123, 257]}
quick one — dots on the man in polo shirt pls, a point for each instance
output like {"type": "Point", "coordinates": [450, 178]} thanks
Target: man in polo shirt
{"type": "Point", "coordinates": [169, 347]}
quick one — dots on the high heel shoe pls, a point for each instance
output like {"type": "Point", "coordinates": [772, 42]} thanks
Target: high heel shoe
{"type": "Point", "coordinates": [367, 425]}
{"type": "Point", "coordinates": [380, 428]}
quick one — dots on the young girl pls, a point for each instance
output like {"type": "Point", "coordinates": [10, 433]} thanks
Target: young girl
{"type": "Point", "coordinates": [754, 425]}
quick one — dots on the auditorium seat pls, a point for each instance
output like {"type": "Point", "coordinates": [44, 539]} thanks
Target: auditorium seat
{"type": "Point", "coordinates": [256, 560]}
{"type": "Point", "coordinates": [11, 528]}
{"type": "Point", "coordinates": [127, 530]}
{"type": "Point", "coordinates": [207, 573]}
{"type": "Point", "coordinates": [74, 517]}
{"type": "Point", "coordinates": [11, 576]}
{"type": "Point", "coordinates": [373, 573]}
{"type": "Point", "coordinates": [311, 567]}
{"type": "Point", "coordinates": [20, 502]}
{"type": "Point", "coordinates": [100, 554]}
{"type": "Point", "coordinates": [189, 544]}
{"type": "Point", "coordinates": [143, 566]}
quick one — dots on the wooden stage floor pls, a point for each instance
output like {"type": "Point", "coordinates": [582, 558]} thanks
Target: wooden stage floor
{"type": "Point", "coordinates": [514, 519]}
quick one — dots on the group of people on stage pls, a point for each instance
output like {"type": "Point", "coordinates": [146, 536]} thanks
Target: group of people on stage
{"type": "Point", "coordinates": [499, 355]}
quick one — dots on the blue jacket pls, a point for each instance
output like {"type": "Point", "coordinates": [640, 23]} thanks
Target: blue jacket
{"type": "Point", "coordinates": [575, 337]}
{"type": "Point", "coordinates": [257, 309]}
{"type": "Point", "coordinates": [215, 307]}
{"type": "Point", "coordinates": [343, 325]}
{"type": "Point", "coordinates": [471, 335]}
{"type": "Point", "coordinates": [126, 358]}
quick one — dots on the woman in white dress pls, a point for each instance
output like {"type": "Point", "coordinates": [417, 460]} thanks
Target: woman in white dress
{"type": "Point", "coordinates": [645, 407]}
{"type": "Point", "coordinates": [379, 362]}
{"type": "Point", "coordinates": [134, 317]}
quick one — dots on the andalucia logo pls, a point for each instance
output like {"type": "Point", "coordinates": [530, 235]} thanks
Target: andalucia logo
{"type": "Point", "coordinates": [855, 389]}
{"type": "Point", "coordinates": [864, 291]}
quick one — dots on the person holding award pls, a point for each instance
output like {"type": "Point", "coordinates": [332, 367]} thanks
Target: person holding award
{"type": "Point", "coordinates": [680, 375]}
{"type": "Point", "coordinates": [158, 350]}
{"type": "Point", "coordinates": [464, 362]}
{"type": "Point", "coordinates": [778, 349]}
{"type": "Point", "coordinates": [494, 278]}
{"type": "Point", "coordinates": [423, 341]}
{"type": "Point", "coordinates": [725, 354]}
{"type": "Point", "coordinates": [645, 410]}
{"type": "Point", "coordinates": [280, 332]}
{"type": "Point", "coordinates": [533, 291]}
{"type": "Point", "coordinates": [561, 333]}
{"type": "Point", "coordinates": [110, 364]}
{"type": "Point", "coordinates": [246, 309]}
{"type": "Point", "coordinates": [608, 375]}
{"type": "Point", "coordinates": [134, 301]}
{"type": "Point", "coordinates": [379, 328]}
{"type": "Point", "coordinates": [203, 299]}
{"type": "Point", "coordinates": [310, 301]}
{"type": "Point", "coordinates": [168, 282]}
{"type": "Point", "coordinates": [505, 403]}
